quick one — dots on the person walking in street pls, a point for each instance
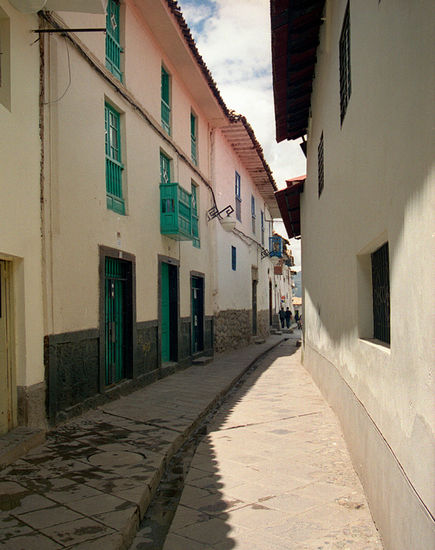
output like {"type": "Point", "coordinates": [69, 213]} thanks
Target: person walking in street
{"type": "Point", "coordinates": [288, 318]}
{"type": "Point", "coordinates": [282, 316]}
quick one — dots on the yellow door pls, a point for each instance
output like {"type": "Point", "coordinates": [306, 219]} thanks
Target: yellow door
{"type": "Point", "coordinates": [6, 415]}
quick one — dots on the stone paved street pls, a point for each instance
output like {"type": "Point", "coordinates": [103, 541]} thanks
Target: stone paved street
{"type": "Point", "coordinates": [90, 484]}
{"type": "Point", "coordinates": [273, 473]}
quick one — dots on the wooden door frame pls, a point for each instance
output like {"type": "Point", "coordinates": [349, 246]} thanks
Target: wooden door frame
{"type": "Point", "coordinates": [130, 363]}
{"type": "Point", "coordinates": [175, 263]}
{"type": "Point", "coordinates": [8, 308]}
{"type": "Point", "coordinates": [197, 275]}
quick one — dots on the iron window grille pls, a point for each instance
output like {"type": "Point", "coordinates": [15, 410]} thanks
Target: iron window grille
{"type": "Point", "coordinates": [320, 165]}
{"type": "Point", "coordinates": [114, 166]}
{"type": "Point", "coordinates": [345, 81]}
{"type": "Point", "coordinates": [238, 197]}
{"type": "Point", "coordinates": [381, 294]}
{"type": "Point", "coordinates": [233, 258]}
{"type": "Point", "coordinates": [165, 101]}
{"type": "Point", "coordinates": [113, 46]}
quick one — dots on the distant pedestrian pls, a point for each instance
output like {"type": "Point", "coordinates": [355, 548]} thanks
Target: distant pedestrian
{"type": "Point", "coordinates": [300, 322]}
{"type": "Point", "coordinates": [282, 316]}
{"type": "Point", "coordinates": [288, 318]}
{"type": "Point", "coordinates": [297, 316]}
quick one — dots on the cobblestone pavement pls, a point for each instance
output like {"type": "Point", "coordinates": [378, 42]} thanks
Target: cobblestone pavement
{"type": "Point", "coordinates": [273, 473]}
{"type": "Point", "coordinates": [90, 484]}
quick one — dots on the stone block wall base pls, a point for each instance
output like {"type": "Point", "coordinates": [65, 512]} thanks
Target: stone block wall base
{"type": "Point", "coordinates": [31, 406]}
{"type": "Point", "coordinates": [233, 329]}
{"type": "Point", "coordinates": [402, 518]}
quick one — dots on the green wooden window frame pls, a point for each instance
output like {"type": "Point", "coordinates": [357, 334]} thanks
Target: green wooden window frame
{"type": "Point", "coordinates": [113, 46]}
{"type": "Point", "coordinates": [114, 166]}
{"type": "Point", "coordinates": [193, 138]}
{"type": "Point", "coordinates": [166, 101]}
{"type": "Point", "coordinates": [195, 217]}
{"type": "Point", "coordinates": [238, 196]}
{"type": "Point", "coordinates": [262, 227]}
{"type": "Point", "coordinates": [165, 169]}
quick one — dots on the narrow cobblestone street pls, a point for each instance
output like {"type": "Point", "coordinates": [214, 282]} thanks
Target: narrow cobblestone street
{"type": "Point", "coordinates": [273, 472]}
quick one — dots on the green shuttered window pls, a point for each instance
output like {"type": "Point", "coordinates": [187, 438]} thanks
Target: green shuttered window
{"type": "Point", "coordinates": [193, 138]}
{"type": "Point", "coordinates": [166, 102]}
{"type": "Point", "coordinates": [113, 46]}
{"type": "Point", "coordinates": [195, 217]}
{"type": "Point", "coordinates": [114, 166]}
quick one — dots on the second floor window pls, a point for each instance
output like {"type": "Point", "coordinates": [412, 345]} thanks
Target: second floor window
{"type": "Point", "coordinates": [195, 216]}
{"type": "Point", "coordinates": [345, 83]}
{"type": "Point", "coordinates": [193, 138]}
{"type": "Point", "coordinates": [166, 101]}
{"type": "Point", "coordinates": [165, 169]}
{"type": "Point", "coordinates": [113, 46]}
{"type": "Point", "coordinates": [381, 293]}
{"type": "Point", "coordinates": [238, 196]}
{"type": "Point", "coordinates": [253, 213]}
{"type": "Point", "coordinates": [114, 166]}
{"type": "Point", "coordinates": [233, 258]}
{"type": "Point", "coordinates": [262, 228]}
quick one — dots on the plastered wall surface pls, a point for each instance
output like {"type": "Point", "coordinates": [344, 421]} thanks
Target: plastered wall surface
{"type": "Point", "coordinates": [378, 187]}
{"type": "Point", "coordinates": [78, 220]}
{"type": "Point", "coordinates": [20, 183]}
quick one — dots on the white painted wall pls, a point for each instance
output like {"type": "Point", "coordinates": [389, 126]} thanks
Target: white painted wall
{"type": "Point", "coordinates": [20, 188]}
{"type": "Point", "coordinates": [77, 218]}
{"type": "Point", "coordinates": [379, 186]}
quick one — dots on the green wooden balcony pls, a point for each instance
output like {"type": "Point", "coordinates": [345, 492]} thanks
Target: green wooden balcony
{"type": "Point", "coordinates": [175, 212]}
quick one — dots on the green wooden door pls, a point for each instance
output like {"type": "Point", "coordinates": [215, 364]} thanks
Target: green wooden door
{"type": "Point", "coordinates": [165, 313]}
{"type": "Point", "coordinates": [115, 283]}
{"type": "Point", "coordinates": [197, 314]}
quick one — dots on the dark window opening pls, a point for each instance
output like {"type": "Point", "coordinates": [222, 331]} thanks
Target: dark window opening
{"type": "Point", "coordinates": [381, 294]}
{"type": "Point", "coordinates": [345, 83]}
{"type": "Point", "coordinates": [320, 166]}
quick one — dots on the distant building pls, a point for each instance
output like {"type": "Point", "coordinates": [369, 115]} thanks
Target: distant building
{"type": "Point", "coordinates": [357, 79]}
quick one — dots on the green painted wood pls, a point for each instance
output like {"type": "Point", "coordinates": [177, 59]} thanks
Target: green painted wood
{"type": "Point", "coordinates": [165, 101]}
{"type": "Point", "coordinates": [115, 286]}
{"type": "Point", "coordinates": [113, 46]}
{"type": "Point", "coordinates": [197, 314]}
{"type": "Point", "coordinates": [165, 318]}
{"type": "Point", "coordinates": [114, 166]}
{"type": "Point", "coordinates": [175, 212]}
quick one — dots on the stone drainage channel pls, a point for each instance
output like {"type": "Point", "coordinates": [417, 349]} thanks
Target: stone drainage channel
{"type": "Point", "coordinates": [156, 522]}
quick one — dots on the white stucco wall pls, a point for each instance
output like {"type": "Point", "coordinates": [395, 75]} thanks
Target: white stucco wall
{"type": "Point", "coordinates": [20, 184]}
{"type": "Point", "coordinates": [233, 288]}
{"type": "Point", "coordinates": [77, 218]}
{"type": "Point", "coordinates": [379, 186]}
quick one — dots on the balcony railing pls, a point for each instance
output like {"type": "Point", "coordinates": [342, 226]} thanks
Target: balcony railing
{"type": "Point", "coordinates": [176, 212]}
